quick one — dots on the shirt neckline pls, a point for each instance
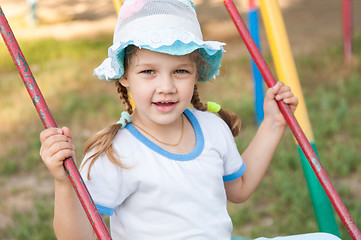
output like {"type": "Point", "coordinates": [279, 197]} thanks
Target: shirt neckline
{"type": "Point", "coordinates": [178, 157]}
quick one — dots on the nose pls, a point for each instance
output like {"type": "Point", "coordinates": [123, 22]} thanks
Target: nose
{"type": "Point", "coordinates": [166, 84]}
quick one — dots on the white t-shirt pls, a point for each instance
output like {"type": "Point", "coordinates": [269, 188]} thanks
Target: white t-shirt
{"type": "Point", "coordinates": [161, 195]}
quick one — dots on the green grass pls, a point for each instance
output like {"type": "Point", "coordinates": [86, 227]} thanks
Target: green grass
{"type": "Point", "coordinates": [280, 206]}
{"type": "Point", "coordinates": [32, 225]}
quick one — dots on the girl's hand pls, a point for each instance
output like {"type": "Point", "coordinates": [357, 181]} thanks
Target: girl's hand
{"type": "Point", "coordinates": [56, 146]}
{"type": "Point", "coordinates": [279, 92]}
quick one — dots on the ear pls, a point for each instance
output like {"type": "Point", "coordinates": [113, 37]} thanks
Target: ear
{"type": "Point", "coordinates": [124, 81]}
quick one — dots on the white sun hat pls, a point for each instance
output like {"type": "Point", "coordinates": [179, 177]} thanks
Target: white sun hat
{"type": "Point", "coordinates": [165, 26]}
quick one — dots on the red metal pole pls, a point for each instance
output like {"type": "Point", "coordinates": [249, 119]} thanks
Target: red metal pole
{"type": "Point", "coordinates": [252, 5]}
{"type": "Point", "coordinates": [292, 122]}
{"type": "Point", "coordinates": [48, 122]}
{"type": "Point", "coordinates": [347, 31]}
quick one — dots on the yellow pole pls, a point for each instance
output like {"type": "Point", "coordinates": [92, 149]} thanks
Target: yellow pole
{"type": "Point", "coordinates": [287, 73]}
{"type": "Point", "coordinates": [283, 59]}
{"type": "Point", "coordinates": [117, 5]}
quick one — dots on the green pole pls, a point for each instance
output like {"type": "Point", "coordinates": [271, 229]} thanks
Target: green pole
{"type": "Point", "coordinates": [321, 204]}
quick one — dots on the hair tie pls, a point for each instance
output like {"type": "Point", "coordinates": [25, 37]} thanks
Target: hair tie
{"type": "Point", "coordinates": [213, 107]}
{"type": "Point", "coordinates": [124, 119]}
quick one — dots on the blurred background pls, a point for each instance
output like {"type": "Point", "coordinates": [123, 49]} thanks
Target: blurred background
{"type": "Point", "coordinates": [64, 40]}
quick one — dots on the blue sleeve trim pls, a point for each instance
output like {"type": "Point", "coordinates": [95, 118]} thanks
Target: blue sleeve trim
{"type": "Point", "coordinates": [236, 174]}
{"type": "Point", "coordinates": [105, 210]}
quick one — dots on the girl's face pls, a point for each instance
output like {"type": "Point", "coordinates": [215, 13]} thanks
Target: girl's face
{"type": "Point", "coordinates": [161, 85]}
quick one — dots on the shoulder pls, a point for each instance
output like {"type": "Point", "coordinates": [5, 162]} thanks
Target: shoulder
{"type": "Point", "coordinates": [215, 131]}
{"type": "Point", "coordinates": [205, 116]}
{"type": "Point", "coordinates": [125, 145]}
{"type": "Point", "coordinates": [122, 148]}
{"type": "Point", "coordinates": [208, 120]}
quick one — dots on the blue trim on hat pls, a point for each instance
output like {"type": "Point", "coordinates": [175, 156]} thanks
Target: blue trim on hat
{"type": "Point", "coordinates": [212, 51]}
{"type": "Point", "coordinates": [178, 157]}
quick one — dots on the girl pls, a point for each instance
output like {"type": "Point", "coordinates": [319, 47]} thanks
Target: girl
{"type": "Point", "coordinates": [164, 171]}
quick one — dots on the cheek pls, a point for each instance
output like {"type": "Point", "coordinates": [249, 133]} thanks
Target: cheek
{"type": "Point", "coordinates": [141, 93]}
{"type": "Point", "coordinates": [187, 91]}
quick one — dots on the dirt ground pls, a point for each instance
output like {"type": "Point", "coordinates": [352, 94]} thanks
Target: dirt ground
{"type": "Point", "coordinates": [310, 24]}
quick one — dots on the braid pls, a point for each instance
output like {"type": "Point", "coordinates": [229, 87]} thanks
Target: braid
{"type": "Point", "coordinates": [123, 95]}
{"type": "Point", "coordinates": [232, 119]}
{"type": "Point", "coordinates": [196, 102]}
{"type": "Point", "coordinates": [102, 142]}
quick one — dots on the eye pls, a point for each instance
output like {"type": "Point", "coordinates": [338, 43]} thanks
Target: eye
{"type": "Point", "coordinates": [148, 71]}
{"type": "Point", "coordinates": [181, 71]}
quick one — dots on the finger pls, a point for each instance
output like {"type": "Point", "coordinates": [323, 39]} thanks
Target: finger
{"type": "Point", "coordinates": [48, 142]}
{"type": "Point", "coordinates": [284, 95]}
{"type": "Point", "coordinates": [293, 101]}
{"type": "Point", "coordinates": [58, 159]}
{"type": "Point", "coordinates": [66, 132]}
{"type": "Point", "coordinates": [285, 88]}
{"type": "Point", "coordinates": [50, 137]}
{"type": "Point", "coordinates": [280, 83]}
{"type": "Point", "coordinates": [49, 132]}
{"type": "Point", "coordinates": [62, 155]}
{"type": "Point", "coordinates": [58, 147]}
{"type": "Point", "coordinates": [271, 92]}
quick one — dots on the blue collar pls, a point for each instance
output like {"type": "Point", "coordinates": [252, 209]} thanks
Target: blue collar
{"type": "Point", "coordinates": [179, 157]}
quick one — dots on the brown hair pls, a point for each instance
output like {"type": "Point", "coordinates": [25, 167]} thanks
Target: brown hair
{"type": "Point", "coordinates": [102, 141]}
{"type": "Point", "coordinates": [232, 119]}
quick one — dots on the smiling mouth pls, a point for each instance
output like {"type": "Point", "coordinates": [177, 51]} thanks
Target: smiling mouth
{"type": "Point", "coordinates": [164, 104]}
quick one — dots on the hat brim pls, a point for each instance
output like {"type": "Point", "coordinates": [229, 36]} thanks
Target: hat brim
{"type": "Point", "coordinates": [113, 67]}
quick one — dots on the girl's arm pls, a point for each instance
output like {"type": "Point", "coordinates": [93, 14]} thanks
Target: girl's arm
{"type": "Point", "coordinates": [70, 220]}
{"type": "Point", "coordinates": [259, 152]}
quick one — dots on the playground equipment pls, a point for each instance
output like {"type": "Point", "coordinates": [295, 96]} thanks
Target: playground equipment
{"type": "Point", "coordinates": [117, 5]}
{"type": "Point", "coordinates": [347, 31]}
{"type": "Point", "coordinates": [287, 73]}
{"type": "Point", "coordinates": [292, 122]}
{"type": "Point", "coordinates": [32, 5]}
{"type": "Point", "coordinates": [48, 122]}
{"type": "Point", "coordinates": [257, 77]}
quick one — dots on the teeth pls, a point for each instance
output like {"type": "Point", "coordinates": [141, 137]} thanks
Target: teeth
{"type": "Point", "coordinates": [164, 103]}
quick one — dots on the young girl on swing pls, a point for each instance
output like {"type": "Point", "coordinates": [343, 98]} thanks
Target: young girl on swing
{"type": "Point", "coordinates": [164, 171]}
